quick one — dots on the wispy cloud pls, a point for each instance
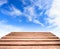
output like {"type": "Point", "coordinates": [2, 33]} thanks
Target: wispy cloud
{"type": "Point", "coordinates": [49, 8]}
{"type": "Point", "coordinates": [13, 11]}
{"type": "Point", "coordinates": [30, 11]}
{"type": "Point", "coordinates": [36, 10]}
{"type": "Point", "coordinates": [3, 2]}
{"type": "Point", "coordinates": [55, 12]}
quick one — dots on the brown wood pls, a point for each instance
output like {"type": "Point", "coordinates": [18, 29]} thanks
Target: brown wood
{"type": "Point", "coordinates": [30, 37]}
{"type": "Point", "coordinates": [30, 34]}
{"type": "Point", "coordinates": [30, 40]}
{"type": "Point", "coordinates": [29, 47]}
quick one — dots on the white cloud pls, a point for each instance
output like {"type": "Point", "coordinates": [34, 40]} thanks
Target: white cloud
{"type": "Point", "coordinates": [5, 29]}
{"type": "Point", "coordinates": [29, 12]}
{"type": "Point", "coordinates": [55, 12]}
{"type": "Point", "coordinates": [2, 2]}
{"type": "Point", "coordinates": [38, 22]}
{"type": "Point", "coordinates": [13, 11]}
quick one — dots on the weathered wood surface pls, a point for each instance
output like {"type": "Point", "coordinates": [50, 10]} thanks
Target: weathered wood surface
{"type": "Point", "coordinates": [29, 43]}
{"type": "Point", "coordinates": [34, 34]}
{"type": "Point", "coordinates": [30, 37]}
{"type": "Point", "coordinates": [30, 40]}
{"type": "Point", "coordinates": [29, 47]}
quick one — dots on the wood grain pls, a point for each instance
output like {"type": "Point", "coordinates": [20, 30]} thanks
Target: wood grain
{"type": "Point", "coordinates": [30, 40]}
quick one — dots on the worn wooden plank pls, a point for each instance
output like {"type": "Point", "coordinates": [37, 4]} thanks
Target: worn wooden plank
{"type": "Point", "coordinates": [30, 37]}
{"type": "Point", "coordinates": [30, 47]}
{"type": "Point", "coordinates": [30, 34]}
{"type": "Point", "coordinates": [30, 40]}
{"type": "Point", "coordinates": [28, 43]}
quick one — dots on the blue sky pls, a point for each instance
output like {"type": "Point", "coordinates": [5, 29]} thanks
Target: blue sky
{"type": "Point", "coordinates": [29, 15]}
